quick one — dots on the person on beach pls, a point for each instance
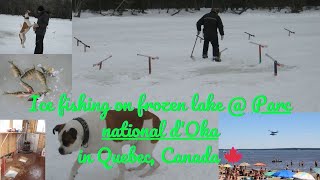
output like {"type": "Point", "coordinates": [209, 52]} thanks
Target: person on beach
{"type": "Point", "coordinates": [315, 163]}
{"type": "Point", "coordinates": [291, 163]}
{"type": "Point", "coordinates": [211, 23]}
{"type": "Point", "coordinates": [287, 167]}
{"type": "Point", "coordinates": [302, 163]}
{"type": "Point", "coordinates": [40, 29]}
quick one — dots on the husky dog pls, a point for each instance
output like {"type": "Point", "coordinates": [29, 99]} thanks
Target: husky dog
{"type": "Point", "coordinates": [25, 28]}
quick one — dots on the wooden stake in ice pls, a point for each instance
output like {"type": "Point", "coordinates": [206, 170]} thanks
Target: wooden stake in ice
{"type": "Point", "coordinates": [149, 58]}
{"type": "Point", "coordinates": [100, 63]}
{"type": "Point", "coordinates": [276, 64]}
{"type": "Point", "coordinates": [84, 45]}
{"type": "Point", "coordinates": [250, 35]}
{"type": "Point", "coordinates": [260, 49]}
{"type": "Point", "coordinates": [273, 59]}
{"type": "Point", "coordinates": [289, 31]}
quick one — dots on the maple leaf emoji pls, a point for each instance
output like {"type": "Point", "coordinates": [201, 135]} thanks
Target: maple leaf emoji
{"type": "Point", "coordinates": [233, 156]}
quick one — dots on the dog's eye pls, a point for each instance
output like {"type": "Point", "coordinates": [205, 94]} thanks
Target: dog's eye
{"type": "Point", "coordinates": [65, 143]}
{"type": "Point", "coordinates": [67, 139]}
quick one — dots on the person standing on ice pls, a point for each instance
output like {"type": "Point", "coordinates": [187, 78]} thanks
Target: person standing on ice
{"type": "Point", "coordinates": [211, 23]}
{"type": "Point", "coordinates": [40, 29]}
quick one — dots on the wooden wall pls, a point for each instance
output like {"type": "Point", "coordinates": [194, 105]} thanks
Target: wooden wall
{"type": "Point", "coordinates": [10, 144]}
{"type": "Point", "coordinates": [32, 128]}
{"type": "Point", "coordinates": [42, 142]}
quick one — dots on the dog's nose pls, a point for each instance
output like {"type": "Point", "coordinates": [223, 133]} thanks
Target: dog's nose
{"type": "Point", "coordinates": [61, 151]}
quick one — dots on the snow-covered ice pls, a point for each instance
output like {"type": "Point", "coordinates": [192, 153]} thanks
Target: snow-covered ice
{"type": "Point", "coordinates": [57, 40]}
{"type": "Point", "coordinates": [176, 77]}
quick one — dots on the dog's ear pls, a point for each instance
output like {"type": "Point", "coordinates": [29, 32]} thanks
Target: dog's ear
{"type": "Point", "coordinates": [58, 128]}
{"type": "Point", "coordinates": [73, 132]}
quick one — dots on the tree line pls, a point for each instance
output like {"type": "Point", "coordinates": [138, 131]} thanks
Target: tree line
{"type": "Point", "coordinates": [233, 5]}
{"type": "Point", "coordinates": [56, 8]}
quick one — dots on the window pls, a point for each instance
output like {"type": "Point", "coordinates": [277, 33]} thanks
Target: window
{"type": "Point", "coordinates": [17, 124]}
{"type": "Point", "coordinates": [41, 126]}
{"type": "Point", "coordinates": [4, 125]}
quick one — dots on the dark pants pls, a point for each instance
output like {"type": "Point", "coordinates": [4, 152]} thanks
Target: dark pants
{"type": "Point", "coordinates": [215, 46]}
{"type": "Point", "coordinates": [39, 44]}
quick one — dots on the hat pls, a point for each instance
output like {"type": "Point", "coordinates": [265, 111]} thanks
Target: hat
{"type": "Point", "coordinates": [214, 9]}
{"type": "Point", "coordinates": [40, 8]}
{"type": "Point", "coordinates": [216, 5]}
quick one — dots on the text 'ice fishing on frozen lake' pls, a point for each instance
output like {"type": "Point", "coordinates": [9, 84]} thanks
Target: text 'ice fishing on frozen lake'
{"type": "Point", "coordinates": [236, 106]}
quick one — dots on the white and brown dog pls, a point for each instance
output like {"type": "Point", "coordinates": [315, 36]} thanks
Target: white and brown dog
{"type": "Point", "coordinates": [25, 28]}
{"type": "Point", "coordinates": [85, 132]}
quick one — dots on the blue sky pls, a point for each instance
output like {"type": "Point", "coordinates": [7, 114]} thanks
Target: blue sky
{"type": "Point", "coordinates": [298, 130]}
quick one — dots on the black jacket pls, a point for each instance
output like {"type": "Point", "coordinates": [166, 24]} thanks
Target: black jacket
{"type": "Point", "coordinates": [43, 21]}
{"type": "Point", "coordinates": [211, 23]}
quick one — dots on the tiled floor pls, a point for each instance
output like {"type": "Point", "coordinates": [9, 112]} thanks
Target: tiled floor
{"type": "Point", "coordinates": [33, 169]}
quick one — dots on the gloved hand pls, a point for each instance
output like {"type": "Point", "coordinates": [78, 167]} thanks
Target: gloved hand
{"type": "Point", "coordinates": [221, 38]}
{"type": "Point", "coordinates": [198, 33]}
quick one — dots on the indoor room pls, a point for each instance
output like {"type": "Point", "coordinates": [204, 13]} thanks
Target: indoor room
{"type": "Point", "coordinates": [22, 149]}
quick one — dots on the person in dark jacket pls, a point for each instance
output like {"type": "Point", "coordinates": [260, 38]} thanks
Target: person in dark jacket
{"type": "Point", "coordinates": [211, 23]}
{"type": "Point", "coordinates": [40, 29]}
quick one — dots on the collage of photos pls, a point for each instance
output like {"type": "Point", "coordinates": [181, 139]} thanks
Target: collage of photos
{"type": "Point", "coordinates": [159, 89]}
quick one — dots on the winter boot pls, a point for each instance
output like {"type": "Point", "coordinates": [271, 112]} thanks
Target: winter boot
{"type": "Point", "coordinates": [205, 56]}
{"type": "Point", "coordinates": [217, 59]}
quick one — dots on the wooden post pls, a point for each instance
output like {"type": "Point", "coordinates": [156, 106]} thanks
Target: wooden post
{"type": "Point", "coordinates": [260, 50]}
{"type": "Point", "coordinates": [249, 35]}
{"type": "Point", "coordinates": [275, 68]}
{"type": "Point", "coordinates": [259, 54]}
{"type": "Point", "coordinates": [85, 45]}
{"type": "Point", "coordinates": [275, 64]}
{"type": "Point", "coordinates": [149, 65]}
{"type": "Point", "coordinates": [289, 31]}
{"type": "Point", "coordinates": [149, 60]}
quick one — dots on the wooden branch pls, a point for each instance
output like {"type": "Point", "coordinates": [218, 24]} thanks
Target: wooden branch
{"type": "Point", "coordinates": [85, 45]}
{"type": "Point", "coordinates": [100, 63]}
{"type": "Point", "coordinates": [152, 57]}
{"type": "Point", "coordinates": [249, 35]}
{"type": "Point", "coordinates": [176, 12]}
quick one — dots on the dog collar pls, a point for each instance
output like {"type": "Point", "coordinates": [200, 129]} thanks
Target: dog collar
{"type": "Point", "coordinates": [85, 129]}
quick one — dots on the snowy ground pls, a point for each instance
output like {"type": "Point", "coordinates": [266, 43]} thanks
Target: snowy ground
{"type": "Point", "coordinates": [57, 39]}
{"type": "Point", "coordinates": [175, 77]}
{"type": "Point", "coordinates": [12, 107]}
